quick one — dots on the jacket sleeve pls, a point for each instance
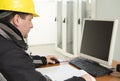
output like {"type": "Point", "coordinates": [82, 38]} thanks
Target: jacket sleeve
{"type": "Point", "coordinates": [74, 78]}
{"type": "Point", "coordinates": [16, 65]}
{"type": "Point", "coordinates": [39, 60]}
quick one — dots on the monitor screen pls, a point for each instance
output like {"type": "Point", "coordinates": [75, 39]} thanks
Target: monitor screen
{"type": "Point", "coordinates": [98, 40]}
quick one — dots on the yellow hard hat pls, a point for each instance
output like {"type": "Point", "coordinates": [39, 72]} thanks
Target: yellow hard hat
{"type": "Point", "coordinates": [25, 6]}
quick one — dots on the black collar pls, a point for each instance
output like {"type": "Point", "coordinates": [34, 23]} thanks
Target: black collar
{"type": "Point", "coordinates": [14, 34]}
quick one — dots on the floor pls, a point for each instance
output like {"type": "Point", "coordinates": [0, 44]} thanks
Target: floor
{"type": "Point", "coordinates": [48, 49]}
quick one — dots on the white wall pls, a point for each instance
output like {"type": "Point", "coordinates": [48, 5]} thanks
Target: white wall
{"type": "Point", "coordinates": [44, 30]}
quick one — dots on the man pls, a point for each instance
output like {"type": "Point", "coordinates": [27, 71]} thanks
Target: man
{"type": "Point", "coordinates": [15, 24]}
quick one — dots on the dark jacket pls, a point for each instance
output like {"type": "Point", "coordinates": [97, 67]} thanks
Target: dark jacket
{"type": "Point", "coordinates": [15, 63]}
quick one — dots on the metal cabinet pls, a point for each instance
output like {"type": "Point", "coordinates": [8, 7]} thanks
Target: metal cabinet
{"type": "Point", "coordinates": [70, 14]}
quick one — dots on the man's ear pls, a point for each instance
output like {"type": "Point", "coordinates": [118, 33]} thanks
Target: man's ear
{"type": "Point", "coordinates": [16, 20]}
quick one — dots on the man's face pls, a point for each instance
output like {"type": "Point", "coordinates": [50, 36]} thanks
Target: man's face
{"type": "Point", "coordinates": [25, 25]}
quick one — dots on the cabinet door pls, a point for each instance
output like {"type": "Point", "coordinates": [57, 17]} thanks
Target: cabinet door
{"type": "Point", "coordinates": [66, 20]}
{"type": "Point", "coordinates": [81, 15]}
{"type": "Point", "coordinates": [59, 25]}
{"type": "Point", "coordinates": [64, 23]}
{"type": "Point", "coordinates": [69, 27]}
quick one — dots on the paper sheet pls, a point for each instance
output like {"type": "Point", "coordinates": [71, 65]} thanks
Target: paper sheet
{"type": "Point", "coordinates": [62, 72]}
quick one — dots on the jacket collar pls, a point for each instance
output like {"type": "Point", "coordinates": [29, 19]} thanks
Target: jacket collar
{"type": "Point", "coordinates": [14, 34]}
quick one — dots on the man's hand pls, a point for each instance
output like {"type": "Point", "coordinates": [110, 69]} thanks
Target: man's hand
{"type": "Point", "coordinates": [49, 59]}
{"type": "Point", "coordinates": [87, 77]}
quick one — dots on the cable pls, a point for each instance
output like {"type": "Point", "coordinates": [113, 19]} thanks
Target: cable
{"type": "Point", "coordinates": [116, 74]}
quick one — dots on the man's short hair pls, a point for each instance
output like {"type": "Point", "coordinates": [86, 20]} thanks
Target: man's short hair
{"type": "Point", "coordinates": [8, 15]}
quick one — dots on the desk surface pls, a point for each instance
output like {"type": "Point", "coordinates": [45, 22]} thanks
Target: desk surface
{"type": "Point", "coordinates": [102, 78]}
{"type": "Point", "coordinates": [109, 77]}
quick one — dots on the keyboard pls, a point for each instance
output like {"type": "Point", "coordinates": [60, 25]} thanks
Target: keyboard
{"type": "Point", "coordinates": [91, 67]}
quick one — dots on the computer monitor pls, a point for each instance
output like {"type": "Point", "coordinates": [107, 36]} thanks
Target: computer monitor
{"type": "Point", "coordinates": [98, 40]}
